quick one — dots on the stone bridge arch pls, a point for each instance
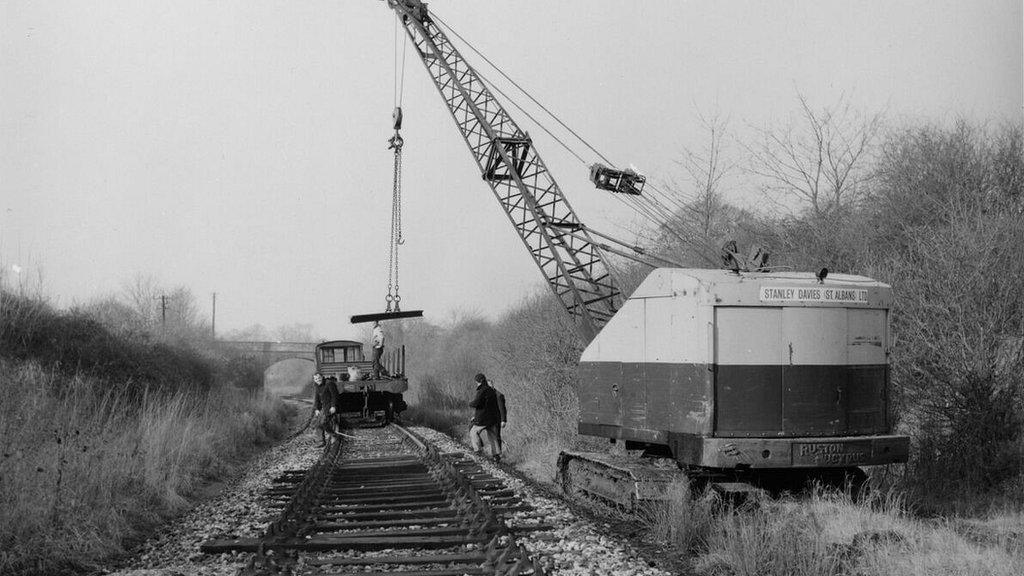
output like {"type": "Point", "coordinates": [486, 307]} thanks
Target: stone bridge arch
{"type": "Point", "coordinates": [266, 354]}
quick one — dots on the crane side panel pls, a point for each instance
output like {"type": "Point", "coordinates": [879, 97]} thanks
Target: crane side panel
{"type": "Point", "coordinates": [677, 398]}
{"type": "Point", "coordinates": [622, 339]}
{"type": "Point", "coordinates": [633, 396]}
{"type": "Point", "coordinates": [815, 336]}
{"type": "Point", "coordinates": [867, 382]}
{"type": "Point", "coordinates": [748, 371]}
{"type": "Point", "coordinates": [816, 370]}
{"type": "Point", "coordinates": [600, 400]}
{"type": "Point", "coordinates": [676, 367]}
{"type": "Point", "coordinates": [603, 366]}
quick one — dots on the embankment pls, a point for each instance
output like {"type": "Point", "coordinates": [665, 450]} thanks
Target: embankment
{"type": "Point", "coordinates": [104, 437]}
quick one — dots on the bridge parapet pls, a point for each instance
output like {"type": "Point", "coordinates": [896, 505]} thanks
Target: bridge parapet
{"type": "Point", "coordinates": [257, 347]}
{"type": "Point", "coordinates": [266, 354]}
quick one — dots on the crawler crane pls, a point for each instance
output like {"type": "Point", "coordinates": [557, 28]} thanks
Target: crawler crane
{"type": "Point", "coordinates": [728, 374]}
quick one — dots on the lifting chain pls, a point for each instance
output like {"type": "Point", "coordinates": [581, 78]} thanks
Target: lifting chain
{"type": "Point", "coordinates": [393, 300]}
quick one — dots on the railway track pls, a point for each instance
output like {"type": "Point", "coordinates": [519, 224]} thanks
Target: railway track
{"type": "Point", "coordinates": [386, 502]}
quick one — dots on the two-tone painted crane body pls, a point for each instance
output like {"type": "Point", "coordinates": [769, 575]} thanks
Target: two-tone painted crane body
{"type": "Point", "coordinates": [721, 370]}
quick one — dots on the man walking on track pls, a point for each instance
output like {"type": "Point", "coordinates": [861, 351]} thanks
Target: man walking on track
{"type": "Point", "coordinates": [326, 405]}
{"type": "Point", "coordinates": [486, 416]}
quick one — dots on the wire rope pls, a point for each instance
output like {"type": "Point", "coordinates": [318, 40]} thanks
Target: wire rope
{"type": "Point", "coordinates": [659, 207]}
{"type": "Point", "coordinates": [523, 90]}
{"type": "Point", "coordinates": [632, 203]}
{"type": "Point", "coordinates": [401, 81]}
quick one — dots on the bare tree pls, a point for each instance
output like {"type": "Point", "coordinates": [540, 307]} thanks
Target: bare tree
{"type": "Point", "coordinates": [698, 217]}
{"type": "Point", "coordinates": [253, 333]}
{"type": "Point", "coordinates": [183, 310]}
{"type": "Point", "coordinates": [706, 169]}
{"type": "Point", "coordinates": [141, 295]}
{"type": "Point", "coordinates": [819, 159]}
{"type": "Point", "coordinates": [161, 311]}
{"type": "Point", "coordinates": [296, 332]}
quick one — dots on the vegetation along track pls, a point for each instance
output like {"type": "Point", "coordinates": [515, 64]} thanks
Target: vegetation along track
{"type": "Point", "coordinates": [384, 501]}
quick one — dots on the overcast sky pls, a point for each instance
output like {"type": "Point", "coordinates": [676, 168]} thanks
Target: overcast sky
{"type": "Point", "coordinates": [240, 146]}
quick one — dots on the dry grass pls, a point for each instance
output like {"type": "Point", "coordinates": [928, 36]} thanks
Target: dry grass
{"type": "Point", "coordinates": [686, 520]}
{"type": "Point", "coordinates": [829, 534]}
{"type": "Point", "coordinates": [83, 472]}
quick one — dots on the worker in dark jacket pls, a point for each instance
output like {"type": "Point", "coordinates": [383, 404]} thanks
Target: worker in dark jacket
{"type": "Point", "coordinates": [495, 430]}
{"type": "Point", "coordinates": [325, 405]}
{"type": "Point", "coordinates": [485, 416]}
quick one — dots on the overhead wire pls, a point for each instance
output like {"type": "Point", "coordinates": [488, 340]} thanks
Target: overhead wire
{"type": "Point", "coordinates": [401, 80]}
{"type": "Point", "coordinates": [631, 202]}
{"type": "Point", "coordinates": [658, 207]}
{"type": "Point", "coordinates": [523, 90]}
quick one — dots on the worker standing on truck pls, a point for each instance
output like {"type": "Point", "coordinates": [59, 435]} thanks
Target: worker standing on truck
{"type": "Point", "coordinates": [486, 416]}
{"type": "Point", "coordinates": [378, 349]}
{"type": "Point", "coordinates": [325, 406]}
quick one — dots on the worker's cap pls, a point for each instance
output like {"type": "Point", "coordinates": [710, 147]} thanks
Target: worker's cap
{"type": "Point", "coordinates": [480, 379]}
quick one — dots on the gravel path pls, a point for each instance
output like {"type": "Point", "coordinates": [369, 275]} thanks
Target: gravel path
{"type": "Point", "coordinates": [579, 547]}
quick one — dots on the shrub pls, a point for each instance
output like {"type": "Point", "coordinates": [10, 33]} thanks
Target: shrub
{"type": "Point", "coordinates": [73, 342]}
{"type": "Point", "coordinates": [85, 471]}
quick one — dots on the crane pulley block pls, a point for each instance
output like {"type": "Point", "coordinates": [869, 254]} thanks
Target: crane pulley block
{"type": "Point", "coordinates": [417, 9]}
{"type": "Point", "coordinates": [613, 180]}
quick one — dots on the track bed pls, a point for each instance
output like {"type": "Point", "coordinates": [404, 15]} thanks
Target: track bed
{"type": "Point", "coordinates": [386, 502]}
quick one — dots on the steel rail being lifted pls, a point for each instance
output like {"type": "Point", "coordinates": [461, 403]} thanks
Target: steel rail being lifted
{"type": "Point", "coordinates": [574, 265]}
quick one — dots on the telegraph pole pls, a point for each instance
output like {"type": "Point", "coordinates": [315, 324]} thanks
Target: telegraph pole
{"type": "Point", "coordinates": [163, 311]}
{"type": "Point", "coordinates": [213, 322]}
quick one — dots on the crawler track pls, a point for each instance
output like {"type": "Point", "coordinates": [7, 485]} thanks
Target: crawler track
{"type": "Point", "coordinates": [385, 502]}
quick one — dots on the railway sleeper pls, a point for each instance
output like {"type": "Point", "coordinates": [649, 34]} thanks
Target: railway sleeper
{"type": "Point", "coordinates": [421, 513]}
{"type": "Point", "coordinates": [324, 543]}
{"type": "Point", "coordinates": [425, 502]}
{"type": "Point", "coordinates": [476, 558]}
{"type": "Point", "coordinates": [391, 482]}
{"type": "Point", "coordinates": [456, 571]}
{"type": "Point", "coordinates": [357, 507]}
{"type": "Point", "coordinates": [440, 520]}
{"type": "Point", "coordinates": [423, 487]}
{"type": "Point", "coordinates": [398, 531]}
{"type": "Point", "coordinates": [410, 496]}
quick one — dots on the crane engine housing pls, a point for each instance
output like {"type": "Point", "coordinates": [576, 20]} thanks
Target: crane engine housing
{"type": "Point", "coordinates": [746, 370]}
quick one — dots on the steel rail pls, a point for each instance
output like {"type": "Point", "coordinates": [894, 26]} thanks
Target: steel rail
{"type": "Point", "coordinates": [435, 514]}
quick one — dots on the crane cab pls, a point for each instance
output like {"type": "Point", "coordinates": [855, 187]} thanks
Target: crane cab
{"type": "Point", "coordinates": [746, 370]}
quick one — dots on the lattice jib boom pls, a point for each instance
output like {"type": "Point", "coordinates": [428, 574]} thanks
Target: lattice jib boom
{"type": "Point", "coordinates": [508, 161]}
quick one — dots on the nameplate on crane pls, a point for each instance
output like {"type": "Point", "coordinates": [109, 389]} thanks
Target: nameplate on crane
{"type": "Point", "coordinates": [818, 294]}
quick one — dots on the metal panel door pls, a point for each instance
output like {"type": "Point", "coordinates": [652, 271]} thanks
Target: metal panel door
{"type": "Point", "coordinates": [869, 371]}
{"type": "Point", "coordinates": [748, 371]}
{"type": "Point", "coordinates": [815, 372]}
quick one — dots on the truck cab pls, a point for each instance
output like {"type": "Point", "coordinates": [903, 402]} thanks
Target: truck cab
{"type": "Point", "coordinates": [365, 396]}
